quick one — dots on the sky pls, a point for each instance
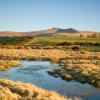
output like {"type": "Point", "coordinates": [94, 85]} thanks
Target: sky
{"type": "Point", "coordinates": [33, 15]}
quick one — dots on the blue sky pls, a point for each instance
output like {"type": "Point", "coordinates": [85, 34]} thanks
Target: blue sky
{"type": "Point", "coordinates": [32, 15]}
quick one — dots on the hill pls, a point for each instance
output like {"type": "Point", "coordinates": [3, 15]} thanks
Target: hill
{"type": "Point", "coordinates": [70, 32]}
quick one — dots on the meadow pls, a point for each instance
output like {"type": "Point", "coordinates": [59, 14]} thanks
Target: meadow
{"type": "Point", "coordinates": [90, 44]}
{"type": "Point", "coordinates": [59, 39]}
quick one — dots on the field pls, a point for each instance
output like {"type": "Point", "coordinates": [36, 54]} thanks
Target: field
{"type": "Point", "coordinates": [55, 40]}
{"type": "Point", "coordinates": [14, 40]}
{"type": "Point", "coordinates": [75, 56]}
{"type": "Point", "coordinates": [90, 44]}
{"type": "Point", "coordinates": [45, 40]}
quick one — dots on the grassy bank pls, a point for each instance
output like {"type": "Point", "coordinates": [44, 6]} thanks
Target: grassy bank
{"type": "Point", "coordinates": [80, 66]}
{"type": "Point", "coordinates": [10, 90]}
{"type": "Point", "coordinates": [6, 64]}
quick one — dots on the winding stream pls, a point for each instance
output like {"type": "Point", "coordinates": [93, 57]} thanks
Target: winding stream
{"type": "Point", "coordinates": [35, 72]}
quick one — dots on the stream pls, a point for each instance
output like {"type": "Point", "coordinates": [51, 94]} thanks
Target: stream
{"type": "Point", "coordinates": [35, 72]}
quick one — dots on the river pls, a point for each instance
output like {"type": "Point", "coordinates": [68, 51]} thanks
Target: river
{"type": "Point", "coordinates": [35, 72]}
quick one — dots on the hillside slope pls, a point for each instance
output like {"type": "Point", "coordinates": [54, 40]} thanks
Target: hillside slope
{"type": "Point", "coordinates": [70, 32]}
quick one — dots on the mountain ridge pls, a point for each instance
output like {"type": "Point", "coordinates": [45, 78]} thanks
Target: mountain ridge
{"type": "Point", "coordinates": [51, 31]}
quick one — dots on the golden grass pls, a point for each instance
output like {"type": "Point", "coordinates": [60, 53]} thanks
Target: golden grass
{"type": "Point", "coordinates": [10, 90]}
{"type": "Point", "coordinates": [31, 54]}
{"type": "Point", "coordinates": [84, 67]}
{"type": "Point", "coordinates": [6, 64]}
{"type": "Point", "coordinates": [77, 63]}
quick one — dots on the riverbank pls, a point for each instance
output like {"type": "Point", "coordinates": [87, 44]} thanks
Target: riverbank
{"type": "Point", "coordinates": [81, 66]}
{"type": "Point", "coordinates": [6, 64]}
{"type": "Point", "coordinates": [21, 91]}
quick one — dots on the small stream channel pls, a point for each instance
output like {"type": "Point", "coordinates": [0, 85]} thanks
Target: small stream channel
{"type": "Point", "coordinates": [35, 72]}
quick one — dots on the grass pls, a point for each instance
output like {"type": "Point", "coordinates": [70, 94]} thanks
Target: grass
{"type": "Point", "coordinates": [6, 64]}
{"type": "Point", "coordinates": [10, 90]}
{"type": "Point", "coordinates": [94, 48]}
{"type": "Point", "coordinates": [46, 40]}
{"type": "Point", "coordinates": [76, 61]}
{"type": "Point", "coordinates": [80, 66]}
{"type": "Point", "coordinates": [56, 40]}
{"type": "Point", "coordinates": [88, 43]}
{"type": "Point", "coordinates": [91, 44]}
{"type": "Point", "coordinates": [31, 54]}
{"type": "Point", "coordinates": [14, 40]}
{"type": "Point", "coordinates": [54, 59]}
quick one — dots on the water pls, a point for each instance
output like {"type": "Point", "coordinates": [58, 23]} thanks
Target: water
{"type": "Point", "coordinates": [35, 72]}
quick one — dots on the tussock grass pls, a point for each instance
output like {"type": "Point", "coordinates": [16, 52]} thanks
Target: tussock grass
{"type": "Point", "coordinates": [54, 59]}
{"type": "Point", "coordinates": [82, 66]}
{"type": "Point", "coordinates": [6, 64]}
{"type": "Point", "coordinates": [10, 90]}
{"type": "Point", "coordinates": [31, 54]}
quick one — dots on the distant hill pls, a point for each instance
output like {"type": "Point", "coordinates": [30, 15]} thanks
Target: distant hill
{"type": "Point", "coordinates": [59, 30]}
{"type": "Point", "coordinates": [70, 32]}
{"type": "Point", "coordinates": [12, 34]}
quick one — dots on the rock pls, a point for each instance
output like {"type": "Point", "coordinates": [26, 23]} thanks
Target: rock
{"type": "Point", "coordinates": [56, 75]}
{"type": "Point", "coordinates": [66, 77]}
{"type": "Point", "coordinates": [51, 72]}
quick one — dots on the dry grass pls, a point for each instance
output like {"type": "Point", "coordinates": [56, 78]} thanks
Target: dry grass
{"type": "Point", "coordinates": [6, 64]}
{"type": "Point", "coordinates": [31, 54]}
{"type": "Point", "coordinates": [54, 59]}
{"type": "Point", "coordinates": [85, 65]}
{"type": "Point", "coordinates": [19, 91]}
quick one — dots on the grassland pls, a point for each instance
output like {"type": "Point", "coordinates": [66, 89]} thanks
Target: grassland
{"type": "Point", "coordinates": [20, 91]}
{"type": "Point", "coordinates": [32, 54]}
{"type": "Point", "coordinates": [44, 40]}
{"type": "Point", "coordinates": [72, 54]}
{"type": "Point", "coordinates": [14, 40]}
{"type": "Point", "coordinates": [90, 44]}
{"type": "Point", "coordinates": [55, 40]}
{"type": "Point", "coordinates": [82, 66]}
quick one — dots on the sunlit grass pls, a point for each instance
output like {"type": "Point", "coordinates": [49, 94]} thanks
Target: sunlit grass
{"type": "Point", "coordinates": [56, 40]}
